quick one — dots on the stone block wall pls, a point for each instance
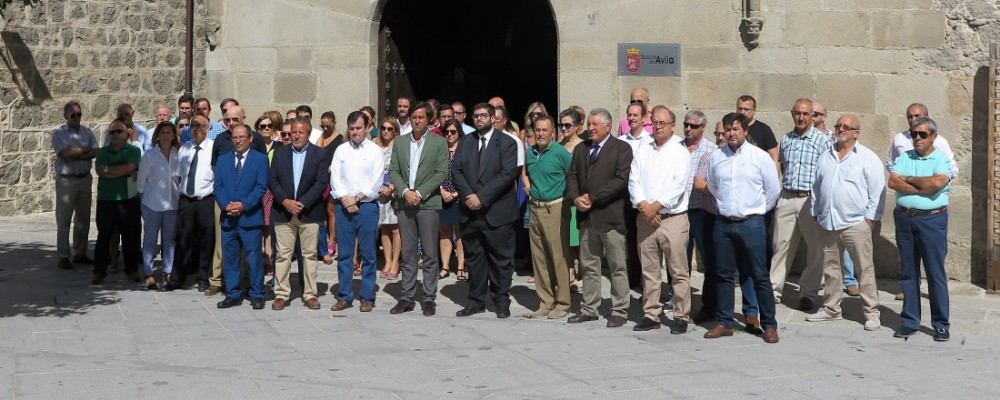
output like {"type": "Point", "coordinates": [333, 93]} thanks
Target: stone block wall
{"type": "Point", "coordinates": [100, 53]}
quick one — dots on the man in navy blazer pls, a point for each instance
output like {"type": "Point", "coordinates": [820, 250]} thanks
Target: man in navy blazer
{"type": "Point", "coordinates": [485, 174]}
{"type": "Point", "coordinates": [240, 184]}
{"type": "Point", "coordinates": [299, 175]}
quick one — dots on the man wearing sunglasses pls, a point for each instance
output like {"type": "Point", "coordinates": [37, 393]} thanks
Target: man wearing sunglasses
{"type": "Point", "coordinates": [460, 115]}
{"type": "Point", "coordinates": [75, 146]}
{"type": "Point", "coordinates": [639, 95]}
{"type": "Point", "coordinates": [921, 178]}
{"type": "Point", "coordinates": [234, 117]}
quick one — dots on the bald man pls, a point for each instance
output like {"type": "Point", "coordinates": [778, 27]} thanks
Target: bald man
{"type": "Point", "coordinates": [638, 95]}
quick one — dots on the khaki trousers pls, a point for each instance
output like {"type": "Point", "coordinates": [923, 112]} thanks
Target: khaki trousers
{"type": "Point", "coordinates": [793, 221]}
{"type": "Point", "coordinates": [667, 241]}
{"type": "Point", "coordinates": [611, 245]}
{"type": "Point", "coordinates": [285, 235]}
{"type": "Point", "coordinates": [858, 242]}
{"type": "Point", "coordinates": [548, 234]}
{"type": "Point", "coordinates": [73, 201]}
{"type": "Point", "coordinates": [216, 278]}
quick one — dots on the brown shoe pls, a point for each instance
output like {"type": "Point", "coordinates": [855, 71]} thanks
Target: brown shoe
{"type": "Point", "coordinates": [615, 321]}
{"type": "Point", "coordinates": [341, 306]}
{"type": "Point", "coordinates": [718, 331]}
{"type": "Point", "coordinates": [429, 308]}
{"type": "Point", "coordinates": [213, 290]}
{"type": "Point", "coordinates": [366, 306]}
{"type": "Point", "coordinates": [900, 296]}
{"type": "Point", "coordinates": [753, 324]}
{"type": "Point", "coordinates": [312, 303]}
{"type": "Point", "coordinates": [771, 335]}
{"type": "Point", "coordinates": [578, 318]}
{"type": "Point", "coordinates": [853, 291]}
{"type": "Point", "coordinates": [278, 304]}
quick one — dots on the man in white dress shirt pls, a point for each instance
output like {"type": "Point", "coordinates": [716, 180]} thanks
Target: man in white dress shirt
{"type": "Point", "coordinates": [745, 185]}
{"type": "Point", "coordinates": [637, 133]}
{"type": "Point", "coordinates": [848, 196]}
{"type": "Point", "coordinates": [196, 218]}
{"type": "Point", "coordinates": [657, 186]}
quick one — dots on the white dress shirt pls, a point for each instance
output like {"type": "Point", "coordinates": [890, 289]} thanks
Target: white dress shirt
{"type": "Point", "coordinates": [204, 176]}
{"type": "Point", "coordinates": [314, 135]}
{"type": "Point", "coordinates": [157, 180]}
{"type": "Point", "coordinates": [520, 148]}
{"type": "Point", "coordinates": [644, 137]}
{"type": "Point", "coordinates": [846, 192]}
{"type": "Point", "coordinates": [659, 174]}
{"type": "Point", "coordinates": [405, 129]}
{"type": "Point", "coordinates": [903, 142]}
{"type": "Point", "coordinates": [744, 182]}
{"type": "Point", "coordinates": [357, 169]}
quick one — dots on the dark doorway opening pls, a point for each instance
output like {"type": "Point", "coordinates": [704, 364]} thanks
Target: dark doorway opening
{"type": "Point", "coordinates": [468, 51]}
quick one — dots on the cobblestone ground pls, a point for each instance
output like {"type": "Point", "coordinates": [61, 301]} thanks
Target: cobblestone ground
{"type": "Point", "coordinates": [61, 338]}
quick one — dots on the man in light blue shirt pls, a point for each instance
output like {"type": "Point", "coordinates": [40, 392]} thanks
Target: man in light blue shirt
{"type": "Point", "coordinates": [847, 198]}
{"type": "Point", "coordinates": [745, 185]}
{"type": "Point", "coordinates": [921, 178]}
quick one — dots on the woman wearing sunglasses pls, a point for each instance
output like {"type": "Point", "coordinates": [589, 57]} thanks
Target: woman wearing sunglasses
{"type": "Point", "coordinates": [269, 127]}
{"type": "Point", "coordinates": [449, 230]}
{"type": "Point", "coordinates": [388, 223]}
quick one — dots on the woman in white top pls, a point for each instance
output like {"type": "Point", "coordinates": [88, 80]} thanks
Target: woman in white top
{"type": "Point", "coordinates": [159, 189]}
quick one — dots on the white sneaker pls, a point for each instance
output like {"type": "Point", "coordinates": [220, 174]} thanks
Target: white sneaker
{"type": "Point", "coordinates": [873, 323]}
{"type": "Point", "coordinates": [822, 315]}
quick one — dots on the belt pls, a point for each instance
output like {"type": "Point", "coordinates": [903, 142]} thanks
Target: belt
{"type": "Point", "coordinates": [74, 175]}
{"type": "Point", "coordinates": [542, 203]}
{"type": "Point", "coordinates": [740, 219]}
{"type": "Point", "coordinates": [191, 198]}
{"type": "Point", "coordinates": [666, 215]}
{"type": "Point", "coordinates": [911, 212]}
{"type": "Point", "coordinates": [798, 193]}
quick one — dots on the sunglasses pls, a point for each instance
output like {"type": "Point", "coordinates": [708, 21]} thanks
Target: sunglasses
{"type": "Point", "coordinates": [231, 119]}
{"type": "Point", "coordinates": [635, 102]}
{"type": "Point", "coordinates": [693, 126]}
{"type": "Point", "coordinates": [451, 132]}
{"type": "Point", "coordinates": [264, 126]}
{"type": "Point", "coordinates": [182, 126]}
{"type": "Point", "coordinates": [388, 128]}
{"type": "Point", "coordinates": [566, 126]}
{"type": "Point", "coordinates": [116, 131]}
{"type": "Point", "coordinates": [286, 134]}
{"type": "Point", "coordinates": [920, 134]}
{"type": "Point", "coordinates": [326, 127]}
{"type": "Point", "coordinates": [845, 126]}
{"type": "Point", "coordinates": [535, 114]}
{"type": "Point", "coordinates": [75, 115]}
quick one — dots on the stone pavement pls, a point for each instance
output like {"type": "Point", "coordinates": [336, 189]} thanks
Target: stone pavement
{"type": "Point", "coordinates": [61, 338]}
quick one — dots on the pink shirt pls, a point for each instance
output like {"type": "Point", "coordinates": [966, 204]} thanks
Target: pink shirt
{"type": "Point", "coordinates": [623, 127]}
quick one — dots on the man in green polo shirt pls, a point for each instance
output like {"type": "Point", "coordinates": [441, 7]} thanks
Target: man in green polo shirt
{"type": "Point", "coordinates": [547, 166]}
{"type": "Point", "coordinates": [921, 178]}
{"type": "Point", "coordinates": [117, 201]}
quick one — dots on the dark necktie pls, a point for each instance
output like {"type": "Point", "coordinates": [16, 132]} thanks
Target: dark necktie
{"type": "Point", "coordinates": [482, 148]}
{"type": "Point", "coordinates": [193, 172]}
{"type": "Point", "coordinates": [593, 152]}
{"type": "Point", "coordinates": [239, 166]}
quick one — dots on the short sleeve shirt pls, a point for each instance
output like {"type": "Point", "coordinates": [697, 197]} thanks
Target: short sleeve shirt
{"type": "Point", "coordinates": [121, 188]}
{"type": "Point", "coordinates": [65, 137]}
{"type": "Point", "coordinates": [762, 136]}
{"type": "Point", "coordinates": [547, 171]}
{"type": "Point", "coordinates": [911, 164]}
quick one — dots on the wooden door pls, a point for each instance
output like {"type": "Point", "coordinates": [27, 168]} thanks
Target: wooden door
{"type": "Point", "coordinates": [393, 80]}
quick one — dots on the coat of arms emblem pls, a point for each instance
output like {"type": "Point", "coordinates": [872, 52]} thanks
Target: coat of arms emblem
{"type": "Point", "coordinates": [632, 60]}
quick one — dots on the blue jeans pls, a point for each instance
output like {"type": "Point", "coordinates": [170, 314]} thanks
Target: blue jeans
{"type": "Point", "coordinates": [923, 238]}
{"type": "Point", "coordinates": [363, 228]}
{"type": "Point", "coordinates": [324, 239]}
{"type": "Point", "coordinates": [745, 241]}
{"type": "Point", "coordinates": [164, 225]}
{"type": "Point", "coordinates": [849, 279]}
{"type": "Point", "coordinates": [702, 227]}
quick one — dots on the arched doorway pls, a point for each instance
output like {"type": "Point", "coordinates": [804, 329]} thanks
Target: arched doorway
{"type": "Point", "coordinates": [469, 51]}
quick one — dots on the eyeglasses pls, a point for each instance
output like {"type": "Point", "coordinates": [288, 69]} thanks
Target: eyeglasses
{"type": "Point", "coordinates": [326, 127]}
{"type": "Point", "coordinates": [693, 126]}
{"type": "Point", "coordinates": [801, 113]}
{"type": "Point", "coordinates": [566, 126]}
{"type": "Point", "coordinates": [182, 126]}
{"type": "Point", "coordinates": [265, 126]}
{"type": "Point", "coordinates": [818, 114]}
{"type": "Point", "coordinates": [286, 134]}
{"type": "Point", "coordinates": [116, 131]}
{"type": "Point", "coordinates": [481, 116]}
{"type": "Point", "coordinates": [845, 127]}
{"type": "Point", "coordinates": [635, 102]}
{"type": "Point", "coordinates": [535, 114]}
{"type": "Point", "coordinates": [658, 124]}
{"type": "Point", "coordinates": [388, 128]}
{"type": "Point", "coordinates": [231, 119]}
{"type": "Point", "coordinates": [75, 115]}
{"type": "Point", "coordinates": [717, 133]}
{"type": "Point", "coordinates": [306, 116]}
{"type": "Point", "coordinates": [449, 132]}
{"type": "Point", "coordinates": [920, 134]}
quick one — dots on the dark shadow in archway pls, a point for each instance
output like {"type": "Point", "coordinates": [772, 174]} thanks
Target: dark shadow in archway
{"type": "Point", "coordinates": [981, 176]}
{"type": "Point", "coordinates": [471, 50]}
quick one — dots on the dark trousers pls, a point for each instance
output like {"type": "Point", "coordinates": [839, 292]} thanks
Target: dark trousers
{"type": "Point", "coordinates": [632, 250]}
{"type": "Point", "coordinates": [742, 246]}
{"type": "Point", "coordinates": [702, 229]}
{"type": "Point", "coordinates": [489, 255]}
{"type": "Point", "coordinates": [923, 238]}
{"type": "Point", "coordinates": [123, 216]}
{"type": "Point", "coordinates": [416, 225]}
{"type": "Point", "coordinates": [250, 242]}
{"type": "Point", "coordinates": [360, 227]}
{"type": "Point", "coordinates": [195, 239]}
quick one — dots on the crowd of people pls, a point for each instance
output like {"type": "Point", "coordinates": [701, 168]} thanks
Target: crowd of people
{"type": "Point", "coordinates": [233, 203]}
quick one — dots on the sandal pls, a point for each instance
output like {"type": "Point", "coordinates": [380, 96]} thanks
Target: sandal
{"type": "Point", "coordinates": [392, 275]}
{"type": "Point", "coordinates": [461, 275]}
{"type": "Point", "coordinates": [150, 282]}
{"type": "Point", "coordinates": [444, 273]}
{"type": "Point", "coordinates": [357, 269]}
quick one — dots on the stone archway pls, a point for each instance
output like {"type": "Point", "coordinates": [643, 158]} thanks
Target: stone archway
{"type": "Point", "coordinates": [466, 50]}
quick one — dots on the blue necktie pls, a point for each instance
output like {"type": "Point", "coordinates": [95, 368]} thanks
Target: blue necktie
{"type": "Point", "coordinates": [239, 166]}
{"type": "Point", "coordinates": [593, 152]}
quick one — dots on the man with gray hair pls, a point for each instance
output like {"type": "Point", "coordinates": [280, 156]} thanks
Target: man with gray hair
{"type": "Point", "coordinates": [598, 186]}
{"type": "Point", "coordinates": [75, 146]}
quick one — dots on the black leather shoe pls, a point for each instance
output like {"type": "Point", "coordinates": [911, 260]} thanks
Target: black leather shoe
{"type": "Point", "coordinates": [202, 286]}
{"type": "Point", "coordinates": [904, 332]}
{"type": "Point", "coordinates": [941, 335]}
{"type": "Point", "coordinates": [646, 324]}
{"type": "Point", "coordinates": [171, 286]}
{"type": "Point", "coordinates": [64, 264]}
{"type": "Point", "coordinates": [578, 318]}
{"type": "Point", "coordinates": [680, 326]}
{"type": "Point", "coordinates": [467, 311]}
{"type": "Point", "coordinates": [401, 307]}
{"type": "Point", "coordinates": [229, 302]}
{"type": "Point", "coordinates": [82, 259]}
{"type": "Point", "coordinates": [258, 304]}
{"type": "Point", "coordinates": [429, 308]}
{"type": "Point", "coordinates": [503, 312]}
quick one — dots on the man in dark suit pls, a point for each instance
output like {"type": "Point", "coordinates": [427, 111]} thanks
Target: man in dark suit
{"type": "Point", "coordinates": [485, 174]}
{"type": "Point", "coordinates": [417, 169]}
{"type": "Point", "coordinates": [299, 175]}
{"type": "Point", "coordinates": [598, 185]}
{"type": "Point", "coordinates": [240, 183]}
